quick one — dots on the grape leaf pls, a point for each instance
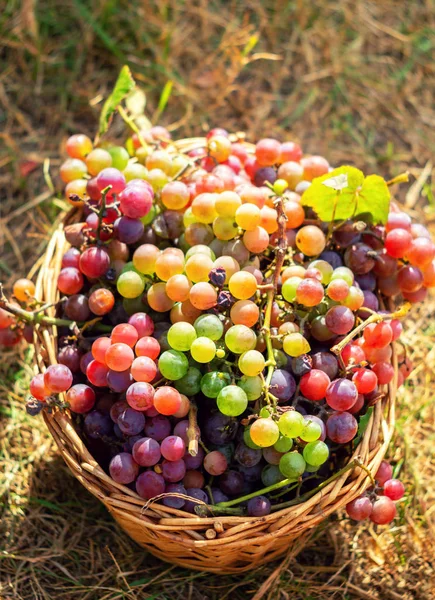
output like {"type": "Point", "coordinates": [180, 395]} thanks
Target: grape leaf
{"type": "Point", "coordinates": [363, 424]}
{"type": "Point", "coordinates": [123, 86]}
{"type": "Point", "coordinates": [345, 193]}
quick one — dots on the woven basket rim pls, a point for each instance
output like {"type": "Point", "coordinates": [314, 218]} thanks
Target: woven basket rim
{"type": "Point", "coordinates": [216, 543]}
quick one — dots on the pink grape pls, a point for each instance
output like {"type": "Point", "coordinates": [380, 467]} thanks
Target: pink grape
{"type": "Point", "coordinates": [81, 398]}
{"type": "Point", "coordinates": [384, 510]}
{"type": "Point", "coordinates": [140, 395]}
{"type": "Point", "coordinates": [123, 468]}
{"type": "Point", "coordinates": [146, 452]}
{"type": "Point", "coordinates": [57, 378]}
{"type": "Point", "coordinates": [394, 489]}
{"type": "Point", "coordinates": [173, 448]}
{"type": "Point", "coordinates": [360, 508]}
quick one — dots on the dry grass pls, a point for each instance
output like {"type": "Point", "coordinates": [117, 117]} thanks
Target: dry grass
{"type": "Point", "coordinates": [353, 80]}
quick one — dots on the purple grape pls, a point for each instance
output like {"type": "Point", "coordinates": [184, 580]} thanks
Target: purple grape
{"type": "Point", "coordinates": [117, 431]}
{"type": "Point", "coordinates": [85, 360]}
{"type": "Point", "coordinates": [116, 409]}
{"type": "Point", "coordinates": [119, 381]}
{"type": "Point", "coordinates": [341, 427]}
{"type": "Point", "coordinates": [158, 428]}
{"type": "Point", "coordinates": [131, 422]}
{"type": "Point", "coordinates": [271, 455]}
{"type": "Point", "coordinates": [76, 308]}
{"type": "Point", "coordinates": [231, 483]}
{"type": "Point", "coordinates": [370, 301]}
{"type": "Point", "coordinates": [367, 281]}
{"type": "Point", "coordinates": [282, 385]}
{"type": "Point", "coordinates": [252, 474]}
{"type": "Point", "coordinates": [149, 485]}
{"type": "Point", "coordinates": [97, 424]}
{"type": "Point", "coordinates": [173, 470]}
{"type": "Point", "coordinates": [247, 457]}
{"type": "Point", "coordinates": [220, 429]}
{"type": "Point", "coordinates": [70, 357]}
{"type": "Point", "coordinates": [301, 364]}
{"type": "Point", "coordinates": [180, 430]}
{"type": "Point", "coordinates": [218, 496]}
{"type": "Point", "coordinates": [264, 174]}
{"type": "Point", "coordinates": [333, 258]}
{"type": "Point", "coordinates": [123, 468]}
{"type": "Point", "coordinates": [194, 462]}
{"type": "Point", "coordinates": [258, 506]}
{"type": "Point", "coordinates": [146, 452]}
{"type": "Point", "coordinates": [326, 362]}
{"type": "Point", "coordinates": [174, 501]}
{"type": "Point", "coordinates": [357, 258]}
{"type": "Point", "coordinates": [197, 494]}
{"type": "Point", "coordinates": [130, 442]}
{"type": "Point", "coordinates": [128, 230]}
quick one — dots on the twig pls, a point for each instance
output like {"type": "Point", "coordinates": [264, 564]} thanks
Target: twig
{"type": "Point", "coordinates": [192, 430]}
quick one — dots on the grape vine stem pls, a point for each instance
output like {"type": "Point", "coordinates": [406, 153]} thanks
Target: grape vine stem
{"type": "Point", "coordinates": [374, 318]}
{"type": "Point", "coordinates": [192, 430]}
{"type": "Point", "coordinates": [38, 318]}
{"type": "Point", "coordinates": [280, 252]}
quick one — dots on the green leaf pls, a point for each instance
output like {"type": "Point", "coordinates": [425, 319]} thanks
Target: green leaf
{"type": "Point", "coordinates": [345, 193]}
{"type": "Point", "coordinates": [363, 424]}
{"type": "Point", "coordinates": [123, 86]}
{"type": "Point", "coordinates": [164, 96]}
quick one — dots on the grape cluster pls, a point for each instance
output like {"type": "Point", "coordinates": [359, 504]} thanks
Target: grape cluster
{"type": "Point", "coordinates": [377, 504]}
{"type": "Point", "coordinates": [243, 338]}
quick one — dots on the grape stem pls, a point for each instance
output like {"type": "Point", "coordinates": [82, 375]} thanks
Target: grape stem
{"type": "Point", "coordinates": [354, 463]}
{"type": "Point", "coordinates": [266, 490]}
{"type": "Point", "coordinates": [374, 318]}
{"type": "Point", "coordinates": [280, 252]}
{"type": "Point", "coordinates": [38, 318]}
{"type": "Point", "coordinates": [192, 430]}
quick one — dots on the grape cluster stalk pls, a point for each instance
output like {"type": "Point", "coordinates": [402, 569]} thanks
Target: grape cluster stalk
{"type": "Point", "coordinates": [220, 346]}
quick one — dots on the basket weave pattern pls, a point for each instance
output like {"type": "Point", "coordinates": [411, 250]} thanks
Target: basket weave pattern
{"type": "Point", "coordinates": [221, 544]}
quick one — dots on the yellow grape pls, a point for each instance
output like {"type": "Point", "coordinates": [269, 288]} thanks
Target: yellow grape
{"type": "Point", "coordinates": [144, 258]}
{"type": "Point", "coordinates": [224, 228]}
{"type": "Point", "coordinates": [178, 288]}
{"type": "Point", "coordinates": [269, 219]}
{"type": "Point", "coordinates": [244, 312]}
{"type": "Point", "coordinates": [227, 203]}
{"type": "Point", "coordinates": [158, 298]}
{"type": "Point", "coordinates": [198, 267]}
{"type": "Point", "coordinates": [167, 265]}
{"type": "Point", "coordinates": [248, 216]}
{"type": "Point", "coordinates": [257, 240]}
{"type": "Point", "coordinates": [228, 263]}
{"type": "Point", "coordinates": [310, 240]}
{"type": "Point", "coordinates": [203, 296]}
{"type": "Point", "coordinates": [203, 208]}
{"type": "Point", "coordinates": [242, 285]}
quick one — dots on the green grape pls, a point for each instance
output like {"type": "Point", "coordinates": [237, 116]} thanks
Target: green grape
{"type": "Point", "coordinates": [280, 358]}
{"type": "Point", "coordinates": [203, 350]}
{"type": "Point", "coordinates": [173, 365]}
{"type": "Point", "coordinates": [251, 363]}
{"type": "Point", "coordinates": [119, 156]}
{"type": "Point", "coordinates": [343, 273]}
{"type": "Point", "coordinates": [291, 424]}
{"type": "Point", "coordinates": [130, 284]}
{"type": "Point", "coordinates": [264, 432]}
{"type": "Point", "coordinates": [311, 469]}
{"type": "Point", "coordinates": [149, 218]}
{"type": "Point", "coordinates": [280, 186]}
{"type": "Point", "coordinates": [271, 475]}
{"type": "Point", "coordinates": [157, 178]}
{"type": "Point", "coordinates": [135, 171]}
{"type": "Point", "coordinates": [240, 338]}
{"type": "Point", "coordinates": [209, 326]}
{"type": "Point", "coordinates": [232, 401]}
{"type": "Point", "coordinates": [265, 412]}
{"type": "Point", "coordinates": [289, 288]}
{"type": "Point", "coordinates": [316, 453]}
{"type": "Point", "coordinates": [200, 249]}
{"type": "Point", "coordinates": [225, 228]}
{"type": "Point", "coordinates": [292, 465]}
{"type": "Point", "coordinates": [325, 269]}
{"type": "Point", "coordinates": [284, 443]}
{"type": "Point", "coordinates": [134, 305]}
{"type": "Point", "coordinates": [294, 344]}
{"type": "Point", "coordinates": [189, 384]}
{"type": "Point", "coordinates": [252, 386]}
{"type": "Point", "coordinates": [248, 441]}
{"type": "Point", "coordinates": [181, 336]}
{"type": "Point", "coordinates": [212, 383]}
{"type": "Point", "coordinates": [128, 267]}
{"type": "Point", "coordinates": [311, 431]}
{"type": "Point", "coordinates": [188, 219]}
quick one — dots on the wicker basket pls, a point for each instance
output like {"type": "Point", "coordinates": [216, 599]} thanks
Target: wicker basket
{"type": "Point", "coordinates": [221, 544]}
